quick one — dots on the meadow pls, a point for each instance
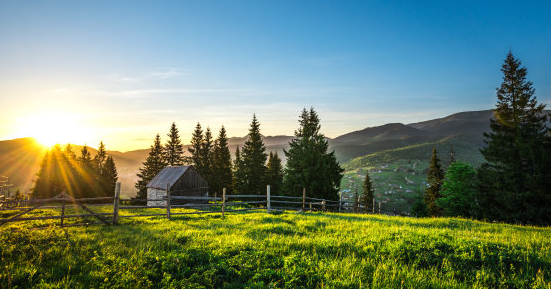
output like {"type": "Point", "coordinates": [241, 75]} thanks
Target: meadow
{"type": "Point", "coordinates": [281, 250]}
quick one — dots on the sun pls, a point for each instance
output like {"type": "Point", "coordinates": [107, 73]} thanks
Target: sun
{"type": "Point", "coordinates": [54, 128]}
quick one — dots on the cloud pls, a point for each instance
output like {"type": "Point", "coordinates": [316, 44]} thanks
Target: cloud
{"type": "Point", "coordinates": [167, 73]}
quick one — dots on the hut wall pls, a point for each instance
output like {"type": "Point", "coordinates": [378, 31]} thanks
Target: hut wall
{"type": "Point", "coordinates": [155, 196]}
{"type": "Point", "coordinates": [190, 184]}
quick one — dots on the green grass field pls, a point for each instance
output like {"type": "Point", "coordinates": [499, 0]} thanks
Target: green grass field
{"type": "Point", "coordinates": [286, 250]}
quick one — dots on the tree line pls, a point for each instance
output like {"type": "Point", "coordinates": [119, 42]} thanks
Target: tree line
{"type": "Point", "coordinates": [514, 183]}
{"type": "Point", "coordinates": [309, 164]}
{"type": "Point", "coordinates": [80, 176]}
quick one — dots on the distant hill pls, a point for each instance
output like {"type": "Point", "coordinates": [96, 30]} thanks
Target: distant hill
{"type": "Point", "coordinates": [391, 131]}
{"type": "Point", "coordinates": [20, 158]}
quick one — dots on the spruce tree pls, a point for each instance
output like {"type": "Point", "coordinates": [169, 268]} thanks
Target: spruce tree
{"type": "Point", "coordinates": [50, 180]}
{"type": "Point", "coordinates": [99, 159]}
{"type": "Point", "coordinates": [152, 165]}
{"type": "Point", "coordinates": [109, 176]}
{"type": "Point", "coordinates": [253, 156]}
{"type": "Point", "coordinates": [239, 184]}
{"type": "Point", "coordinates": [195, 149]}
{"type": "Point", "coordinates": [173, 149]}
{"type": "Point", "coordinates": [309, 165]}
{"type": "Point", "coordinates": [368, 194]}
{"type": "Point", "coordinates": [206, 156]}
{"type": "Point", "coordinates": [274, 173]}
{"type": "Point", "coordinates": [222, 165]}
{"type": "Point", "coordinates": [87, 184]}
{"type": "Point", "coordinates": [516, 179]}
{"type": "Point", "coordinates": [435, 178]}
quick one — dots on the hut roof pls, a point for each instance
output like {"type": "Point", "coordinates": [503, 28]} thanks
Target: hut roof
{"type": "Point", "coordinates": [169, 174]}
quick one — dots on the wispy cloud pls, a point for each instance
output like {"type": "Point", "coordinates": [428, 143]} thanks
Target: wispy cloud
{"type": "Point", "coordinates": [167, 73]}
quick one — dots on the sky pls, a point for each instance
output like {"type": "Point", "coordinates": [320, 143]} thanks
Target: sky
{"type": "Point", "coordinates": [123, 71]}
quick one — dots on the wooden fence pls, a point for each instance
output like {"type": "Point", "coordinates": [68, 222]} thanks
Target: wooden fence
{"type": "Point", "coordinates": [202, 205]}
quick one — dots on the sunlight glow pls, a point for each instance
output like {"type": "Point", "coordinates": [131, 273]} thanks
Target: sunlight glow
{"type": "Point", "coordinates": [54, 128]}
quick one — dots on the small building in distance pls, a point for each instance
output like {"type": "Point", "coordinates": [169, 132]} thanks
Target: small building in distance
{"type": "Point", "coordinates": [183, 181]}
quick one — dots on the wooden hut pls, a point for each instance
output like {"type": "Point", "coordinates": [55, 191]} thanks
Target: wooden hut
{"type": "Point", "coordinates": [183, 181]}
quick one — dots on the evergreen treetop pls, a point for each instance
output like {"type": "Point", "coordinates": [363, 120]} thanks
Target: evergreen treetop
{"type": "Point", "coordinates": [435, 178]}
{"type": "Point", "coordinates": [309, 165]}
{"type": "Point", "coordinates": [253, 156]}
{"type": "Point", "coordinates": [173, 149]}
{"type": "Point", "coordinates": [152, 165]}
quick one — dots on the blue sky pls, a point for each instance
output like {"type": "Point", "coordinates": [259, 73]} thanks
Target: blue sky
{"type": "Point", "coordinates": [125, 70]}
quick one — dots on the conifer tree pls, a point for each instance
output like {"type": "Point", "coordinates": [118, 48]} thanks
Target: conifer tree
{"type": "Point", "coordinates": [516, 179]}
{"type": "Point", "coordinates": [309, 165]}
{"type": "Point", "coordinates": [239, 184]}
{"type": "Point", "coordinates": [152, 165]}
{"type": "Point", "coordinates": [99, 159]}
{"type": "Point", "coordinates": [368, 194]}
{"type": "Point", "coordinates": [435, 178]}
{"type": "Point", "coordinates": [109, 176]}
{"type": "Point", "coordinates": [206, 156]}
{"type": "Point", "coordinates": [222, 165]}
{"type": "Point", "coordinates": [50, 181]}
{"type": "Point", "coordinates": [195, 149]}
{"type": "Point", "coordinates": [70, 153]}
{"type": "Point", "coordinates": [254, 157]}
{"type": "Point", "coordinates": [274, 174]}
{"type": "Point", "coordinates": [85, 159]}
{"type": "Point", "coordinates": [87, 180]}
{"type": "Point", "coordinates": [173, 149]}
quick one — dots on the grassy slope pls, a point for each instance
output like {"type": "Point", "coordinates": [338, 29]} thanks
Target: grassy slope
{"type": "Point", "coordinates": [289, 250]}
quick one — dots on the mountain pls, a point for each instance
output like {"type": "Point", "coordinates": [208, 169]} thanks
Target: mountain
{"type": "Point", "coordinates": [369, 135]}
{"type": "Point", "coordinates": [20, 158]}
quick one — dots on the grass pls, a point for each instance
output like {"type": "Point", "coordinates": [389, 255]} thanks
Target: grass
{"type": "Point", "coordinates": [287, 250]}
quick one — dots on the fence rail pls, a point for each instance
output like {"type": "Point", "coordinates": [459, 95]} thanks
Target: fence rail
{"type": "Point", "coordinates": [202, 205]}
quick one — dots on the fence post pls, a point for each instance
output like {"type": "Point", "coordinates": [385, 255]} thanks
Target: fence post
{"type": "Point", "coordinates": [215, 195]}
{"type": "Point", "coordinates": [379, 207]}
{"type": "Point", "coordinates": [168, 201]}
{"type": "Point", "coordinates": [340, 202]}
{"type": "Point", "coordinates": [323, 205]}
{"type": "Point", "coordinates": [303, 199]}
{"type": "Point", "coordinates": [268, 202]}
{"type": "Point", "coordinates": [310, 206]}
{"type": "Point", "coordinates": [223, 201]}
{"type": "Point", "coordinates": [116, 203]}
{"type": "Point", "coordinates": [373, 206]}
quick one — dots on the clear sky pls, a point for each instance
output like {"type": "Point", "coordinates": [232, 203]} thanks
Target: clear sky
{"type": "Point", "coordinates": [122, 71]}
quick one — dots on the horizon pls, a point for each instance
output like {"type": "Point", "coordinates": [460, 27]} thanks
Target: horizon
{"type": "Point", "coordinates": [121, 73]}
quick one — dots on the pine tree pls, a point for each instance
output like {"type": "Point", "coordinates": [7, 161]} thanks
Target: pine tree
{"type": "Point", "coordinates": [239, 181]}
{"type": "Point", "coordinates": [274, 173]}
{"type": "Point", "coordinates": [173, 149]}
{"type": "Point", "coordinates": [435, 178]}
{"type": "Point", "coordinates": [109, 177]}
{"type": "Point", "coordinates": [254, 157]}
{"type": "Point", "coordinates": [152, 165]}
{"type": "Point", "coordinates": [70, 153]}
{"type": "Point", "coordinates": [87, 185]}
{"type": "Point", "coordinates": [309, 165]}
{"type": "Point", "coordinates": [206, 156]}
{"type": "Point", "coordinates": [368, 194]}
{"type": "Point", "coordinates": [99, 159]}
{"type": "Point", "coordinates": [516, 178]}
{"type": "Point", "coordinates": [222, 165]}
{"type": "Point", "coordinates": [195, 149]}
{"type": "Point", "coordinates": [50, 181]}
